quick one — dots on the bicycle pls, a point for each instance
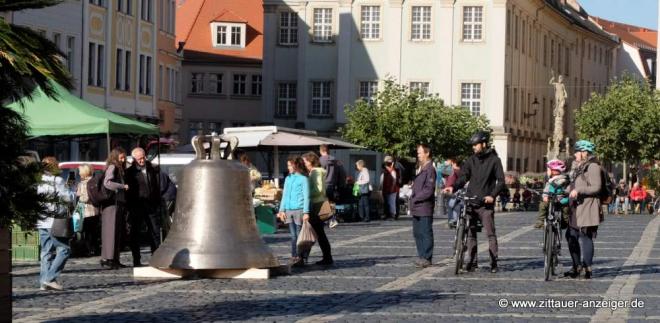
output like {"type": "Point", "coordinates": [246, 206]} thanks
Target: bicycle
{"type": "Point", "coordinates": [552, 235]}
{"type": "Point", "coordinates": [463, 223]}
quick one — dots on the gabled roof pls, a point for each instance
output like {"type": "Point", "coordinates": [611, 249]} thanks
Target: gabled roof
{"type": "Point", "coordinates": [229, 16]}
{"type": "Point", "coordinates": [577, 15]}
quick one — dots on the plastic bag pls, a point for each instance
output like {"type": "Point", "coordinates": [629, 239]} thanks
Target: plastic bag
{"type": "Point", "coordinates": [306, 238]}
{"type": "Point", "coordinates": [78, 218]}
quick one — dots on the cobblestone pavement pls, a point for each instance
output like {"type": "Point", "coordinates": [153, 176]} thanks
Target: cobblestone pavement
{"type": "Point", "coordinates": [374, 280]}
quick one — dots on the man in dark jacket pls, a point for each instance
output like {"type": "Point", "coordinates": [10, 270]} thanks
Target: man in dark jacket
{"type": "Point", "coordinates": [422, 202]}
{"type": "Point", "coordinates": [484, 172]}
{"type": "Point", "coordinates": [335, 177]}
{"type": "Point", "coordinates": [143, 202]}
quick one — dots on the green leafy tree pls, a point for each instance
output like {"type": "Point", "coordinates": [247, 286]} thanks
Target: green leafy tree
{"type": "Point", "coordinates": [397, 119]}
{"type": "Point", "coordinates": [624, 123]}
{"type": "Point", "coordinates": [27, 61]}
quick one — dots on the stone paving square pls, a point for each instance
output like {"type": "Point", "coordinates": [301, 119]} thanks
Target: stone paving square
{"type": "Point", "coordinates": [373, 280]}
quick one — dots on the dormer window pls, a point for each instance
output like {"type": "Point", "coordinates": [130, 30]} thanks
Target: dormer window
{"type": "Point", "coordinates": [228, 35]}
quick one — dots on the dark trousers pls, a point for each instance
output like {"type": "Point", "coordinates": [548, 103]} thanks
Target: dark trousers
{"type": "Point", "coordinates": [139, 213]}
{"type": "Point", "coordinates": [363, 207]}
{"type": "Point", "coordinates": [487, 216]}
{"type": "Point", "coordinates": [423, 233]}
{"type": "Point", "coordinates": [92, 234]}
{"type": "Point", "coordinates": [318, 227]}
{"type": "Point", "coordinates": [581, 245]}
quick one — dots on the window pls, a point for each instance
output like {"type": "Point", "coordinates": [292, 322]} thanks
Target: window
{"type": "Point", "coordinates": [515, 32]}
{"type": "Point", "coordinates": [239, 84]}
{"type": "Point", "coordinates": [195, 128]}
{"type": "Point", "coordinates": [100, 3]}
{"type": "Point", "coordinates": [141, 74]}
{"type": "Point", "coordinates": [148, 77]}
{"type": "Point", "coordinates": [322, 25]}
{"type": "Point", "coordinates": [420, 86]}
{"type": "Point", "coordinates": [545, 50]}
{"type": "Point", "coordinates": [370, 22]}
{"type": "Point", "coordinates": [91, 64]}
{"type": "Point", "coordinates": [508, 27]}
{"type": "Point", "coordinates": [321, 98]}
{"type": "Point", "coordinates": [215, 81]}
{"type": "Point", "coordinates": [543, 110]}
{"type": "Point", "coordinates": [127, 73]}
{"type": "Point", "coordinates": [145, 12]}
{"type": "Point", "coordinates": [119, 69]}
{"type": "Point", "coordinates": [368, 90]}
{"type": "Point", "coordinates": [567, 61]}
{"type": "Point", "coordinates": [421, 23]}
{"type": "Point", "coordinates": [229, 35]}
{"type": "Point", "coordinates": [559, 53]}
{"type": "Point", "coordinates": [172, 16]}
{"type": "Point", "coordinates": [286, 99]}
{"type": "Point", "coordinates": [506, 103]}
{"type": "Point", "coordinates": [125, 7]}
{"type": "Point", "coordinates": [56, 39]}
{"type": "Point", "coordinates": [472, 23]}
{"type": "Point", "coordinates": [288, 28]}
{"type": "Point", "coordinates": [256, 84]}
{"type": "Point", "coordinates": [552, 53]}
{"type": "Point", "coordinates": [522, 36]}
{"type": "Point", "coordinates": [162, 5]}
{"type": "Point", "coordinates": [471, 97]}
{"type": "Point", "coordinates": [161, 83]}
{"type": "Point", "coordinates": [70, 47]}
{"type": "Point", "coordinates": [515, 105]}
{"type": "Point", "coordinates": [120, 5]}
{"type": "Point", "coordinates": [175, 88]}
{"type": "Point", "coordinates": [197, 83]}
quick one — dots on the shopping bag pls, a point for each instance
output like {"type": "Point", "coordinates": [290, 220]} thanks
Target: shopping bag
{"type": "Point", "coordinates": [306, 238]}
{"type": "Point", "coordinates": [78, 217]}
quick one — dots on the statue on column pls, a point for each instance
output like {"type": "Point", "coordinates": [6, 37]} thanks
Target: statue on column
{"type": "Point", "coordinates": [558, 113]}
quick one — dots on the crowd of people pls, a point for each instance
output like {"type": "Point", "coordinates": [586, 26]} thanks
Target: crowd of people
{"type": "Point", "coordinates": [140, 194]}
{"type": "Point", "coordinates": [133, 195]}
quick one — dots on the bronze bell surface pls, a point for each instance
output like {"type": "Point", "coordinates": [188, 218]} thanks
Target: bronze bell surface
{"type": "Point", "coordinates": [214, 225]}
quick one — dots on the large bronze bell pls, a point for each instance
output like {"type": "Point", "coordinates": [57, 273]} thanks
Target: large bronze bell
{"type": "Point", "coordinates": [214, 224]}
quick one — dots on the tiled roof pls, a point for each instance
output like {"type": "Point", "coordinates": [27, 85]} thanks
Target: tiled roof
{"type": "Point", "coordinates": [579, 17]}
{"type": "Point", "coordinates": [639, 37]}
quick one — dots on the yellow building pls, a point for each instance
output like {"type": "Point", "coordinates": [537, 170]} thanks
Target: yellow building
{"type": "Point", "coordinates": [126, 44]}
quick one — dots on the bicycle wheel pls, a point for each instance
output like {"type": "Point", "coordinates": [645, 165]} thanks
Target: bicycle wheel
{"type": "Point", "coordinates": [460, 247]}
{"type": "Point", "coordinates": [548, 252]}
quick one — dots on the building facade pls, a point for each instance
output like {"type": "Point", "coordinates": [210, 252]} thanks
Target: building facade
{"type": "Point", "coordinates": [114, 50]}
{"type": "Point", "coordinates": [494, 57]}
{"type": "Point", "coordinates": [63, 25]}
{"type": "Point", "coordinates": [222, 45]}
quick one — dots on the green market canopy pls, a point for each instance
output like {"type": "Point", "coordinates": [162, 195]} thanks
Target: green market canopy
{"type": "Point", "coordinates": [71, 116]}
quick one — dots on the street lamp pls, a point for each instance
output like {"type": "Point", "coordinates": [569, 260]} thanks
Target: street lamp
{"type": "Point", "coordinates": [535, 106]}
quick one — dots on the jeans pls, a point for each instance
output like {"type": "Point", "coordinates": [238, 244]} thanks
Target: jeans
{"type": "Point", "coordinates": [454, 208]}
{"type": "Point", "coordinates": [390, 200]}
{"type": "Point", "coordinates": [423, 233]}
{"type": "Point", "coordinates": [363, 207]}
{"type": "Point", "coordinates": [294, 230]}
{"type": "Point", "coordinates": [581, 245]}
{"type": "Point", "coordinates": [620, 205]}
{"type": "Point", "coordinates": [52, 264]}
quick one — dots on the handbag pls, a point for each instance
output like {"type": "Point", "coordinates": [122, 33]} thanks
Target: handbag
{"type": "Point", "coordinates": [62, 227]}
{"type": "Point", "coordinates": [326, 211]}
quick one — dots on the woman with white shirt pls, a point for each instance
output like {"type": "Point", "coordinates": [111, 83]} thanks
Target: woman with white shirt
{"type": "Point", "coordinates": [54, 251]}
{"type": "Point", "coordinates": [363, 181]}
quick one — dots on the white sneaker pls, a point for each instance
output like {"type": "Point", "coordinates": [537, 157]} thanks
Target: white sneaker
{"type": "Point", "coordinates": [53, 285]}
{"type": "Point", "coordinates": [333, 223]}
{"type": "Point", "coordinates": [42, 287]}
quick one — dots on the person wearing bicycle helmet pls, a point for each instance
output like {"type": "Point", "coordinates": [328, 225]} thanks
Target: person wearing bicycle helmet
{"type": "Point", "coordinates": [486, 176]}
{"type": "Point", "coordinates": [586, 208]}
{"type": "Point", "coordinates": [557, 184]}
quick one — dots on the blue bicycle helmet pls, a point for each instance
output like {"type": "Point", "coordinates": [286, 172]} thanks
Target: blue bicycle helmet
{"type": "Point", "coordinates": [585, 145]}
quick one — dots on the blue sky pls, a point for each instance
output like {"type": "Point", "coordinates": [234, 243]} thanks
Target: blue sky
{"type": "Point", "coordinates": [634, 12]}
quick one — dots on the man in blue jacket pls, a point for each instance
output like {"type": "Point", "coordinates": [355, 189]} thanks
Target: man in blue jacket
{"type": "Point", "coordinates": [422, 202]}
{"type": "Point", "coordinates": [484, 172]}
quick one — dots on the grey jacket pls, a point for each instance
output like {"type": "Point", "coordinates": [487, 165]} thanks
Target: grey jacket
{"type": "Point", "coordinates": [587, 183]}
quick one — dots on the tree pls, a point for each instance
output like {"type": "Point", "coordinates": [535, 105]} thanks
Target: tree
{"type": "Point", "coordinates": [27, 60]}
{"type": "Point", "coordinates": [398, 119]}
{"type": "Point", "coordinates": [623, 123]}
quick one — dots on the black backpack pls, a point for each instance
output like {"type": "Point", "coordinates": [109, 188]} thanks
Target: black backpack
{"type": "Point", "coordinates": [97, 193]}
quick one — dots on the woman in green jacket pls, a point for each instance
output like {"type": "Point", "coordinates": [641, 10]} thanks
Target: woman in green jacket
{"type": "Point", "coordinates": [317, 198]}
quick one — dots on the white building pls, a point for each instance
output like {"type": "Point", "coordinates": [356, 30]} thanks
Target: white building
{"type": "Point", "coordinates": [62, 24]}
{"type": "Point", "coordinates": [493, 57]}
